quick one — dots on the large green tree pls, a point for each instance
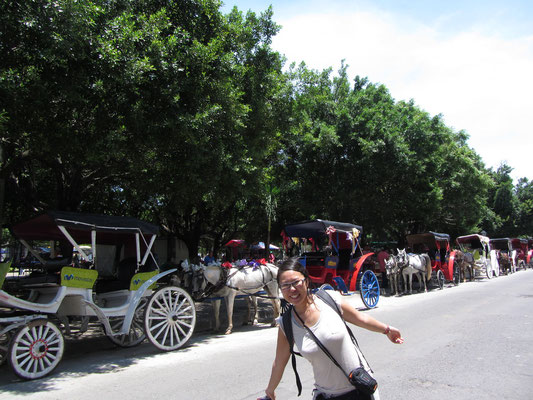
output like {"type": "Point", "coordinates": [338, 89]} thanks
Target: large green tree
{"type": "Point", "coordinates": [355, 154]}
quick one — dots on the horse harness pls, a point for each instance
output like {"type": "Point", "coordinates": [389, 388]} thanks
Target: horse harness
{"type": "Point", "coordinates": [225, 277]}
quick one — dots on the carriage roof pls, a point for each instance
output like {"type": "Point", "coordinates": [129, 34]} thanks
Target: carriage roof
{"type": "Point", "coordinates": [500, 243]}
{"type": "Point", "coordinates": [317, 228]}
{"type": "Point", "coordinates": [111, 229]}
{"type": "Point", "coordinates": [475, 240]}
{"type": "Point", "coordinates": [519, 243]}
{"type": "Point", "coordinates": [429, 238]}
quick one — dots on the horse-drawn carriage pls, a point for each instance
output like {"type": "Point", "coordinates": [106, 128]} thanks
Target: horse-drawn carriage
{"type": "Point", "coordinates": [331, 253]}
{"type": "Point", "coordinates": [519, 252]}
{"type": "Point", "coordinates": [506, 253]}
{"type": "Point", "coordinates": [529, 258]}
{"type": "Point", "coordinates": [476, 257]}
{"type": "Point", "coordinates": [63, 293]}
{"type": "Point", "coordinates": [442, 257]}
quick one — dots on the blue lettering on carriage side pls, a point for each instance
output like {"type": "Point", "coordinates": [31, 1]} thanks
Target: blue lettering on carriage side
{"type": "Point", "coordinates": [69, 277]}
{"type": "Point", "coordinates": [137, 281]}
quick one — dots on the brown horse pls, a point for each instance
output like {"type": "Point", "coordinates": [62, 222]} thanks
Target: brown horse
{"type": "Point", "coordinates": [466, 262]}
{"type": "Point", "coordinates": [504, 261]}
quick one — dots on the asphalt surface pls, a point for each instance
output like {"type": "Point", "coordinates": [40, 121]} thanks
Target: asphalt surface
{"type": "Point", "coordinates": [473, 341]}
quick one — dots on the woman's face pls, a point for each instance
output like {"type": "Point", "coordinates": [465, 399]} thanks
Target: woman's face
{"type": "Point", "coordinates": [293, 287]}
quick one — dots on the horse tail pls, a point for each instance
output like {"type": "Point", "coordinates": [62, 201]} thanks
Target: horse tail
{"type": "Point", "coordinates": [428, 267]}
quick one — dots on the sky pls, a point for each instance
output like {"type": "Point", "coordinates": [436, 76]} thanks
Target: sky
{"type": "Point", "coordinates": [470, 61]}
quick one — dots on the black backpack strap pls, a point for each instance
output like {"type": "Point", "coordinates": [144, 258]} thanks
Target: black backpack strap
{"type": "Point", "coordinates": [286, 320]}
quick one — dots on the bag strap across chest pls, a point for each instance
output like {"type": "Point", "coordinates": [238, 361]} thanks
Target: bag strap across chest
{"type": "Point", "coordinates": [286, 320]}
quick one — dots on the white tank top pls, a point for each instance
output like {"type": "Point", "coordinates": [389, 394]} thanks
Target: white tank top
{"type": "Point", "coordinates": [332, 333]}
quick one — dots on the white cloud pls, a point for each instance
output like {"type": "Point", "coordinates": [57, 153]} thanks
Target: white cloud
{"type": "Point", "coordinates": [480, 82]}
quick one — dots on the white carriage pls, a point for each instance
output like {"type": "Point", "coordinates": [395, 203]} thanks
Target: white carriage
{"type": "Point", "coordinates": [481, 257]}
{"type": "Point", "coordinates": [115, 284]}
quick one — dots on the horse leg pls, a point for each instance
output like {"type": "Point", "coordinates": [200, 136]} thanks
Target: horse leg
{"type": "Point", "coordinates": [230, 300]}
{"type": "Point", "coordinates": [422, 280]}
{"type": "Point", "coordinates": [252, 305]}
{"type": "Point", "coordinates": [273, 293]}
{"type": "Point", "coordinates": [216, 312]}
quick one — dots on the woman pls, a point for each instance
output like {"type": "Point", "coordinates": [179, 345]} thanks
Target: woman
{"type": "Point", "coordinates": [330, 381]}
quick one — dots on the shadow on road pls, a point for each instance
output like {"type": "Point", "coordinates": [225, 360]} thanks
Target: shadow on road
{"type": "Point", "coordinates": [101, 356]}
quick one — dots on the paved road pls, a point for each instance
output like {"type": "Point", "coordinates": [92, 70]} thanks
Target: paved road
{"type": "Point", "coordinates": [474, 341]}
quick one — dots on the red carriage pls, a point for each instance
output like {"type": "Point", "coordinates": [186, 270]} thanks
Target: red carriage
{"type": "Point", "coordinates": [529, 257]}
{"type": "Point", "coordinates": [331, 253]}
{"type": "Point", "coordinates": [437, 246]}
{"type": "Point", "coordinates": [519, 251]}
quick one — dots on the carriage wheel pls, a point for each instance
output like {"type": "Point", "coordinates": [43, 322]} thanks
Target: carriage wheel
{"type": "Point", "coordinates": [36, 349]}
{"type": "Point", "coordinates": [136, 334]}
{"type": "Point", "coordinates": [170, 318]}
{"type": "Point", "coordinates": [456, 274]}
{"type": "Point", "coordinates": [440, 279]}
{"type": "Point", "coordinates": [369, 289]}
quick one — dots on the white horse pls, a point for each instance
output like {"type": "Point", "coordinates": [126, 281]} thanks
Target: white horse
{"type": "Point", "coordinates": [393, 272]}
{"type": "Point", "coordinates": [414, 264]}
{"type": "Point", "coordinates": [189, 277]}
{"type": "Point", "coordinates": [242, 280]}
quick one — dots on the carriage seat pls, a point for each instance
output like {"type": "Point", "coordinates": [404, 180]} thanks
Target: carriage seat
{"type": "Point", "coordinates": [55, 265]}
{"type": "Point", "coordinates": [125, 271]}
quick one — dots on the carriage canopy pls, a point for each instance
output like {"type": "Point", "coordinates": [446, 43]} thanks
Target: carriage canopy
{"type": "Point", "coordinates": [517, 243]}
{"type": "Point", "coordinates": [317, 228]}
{"type": "Point", "coordinates": [501, 244]}
{"type": "Point", "coordinates": [432, 240]}
{"type": "Point", "coordinates": [111, 229]}
{"type": "Point", "coordinates": [474, 241]}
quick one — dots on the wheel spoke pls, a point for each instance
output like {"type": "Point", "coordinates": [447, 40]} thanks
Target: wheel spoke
{"type": "Point", "coordinates": [166, 328]}
{"type": "Point", "coordinates": [161, 306]}
{"type": "Point", "coordinates": [154, 327]}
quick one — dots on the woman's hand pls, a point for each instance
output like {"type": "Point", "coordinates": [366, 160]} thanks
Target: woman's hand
{"type": "Point", "coordinates": [394, 335]}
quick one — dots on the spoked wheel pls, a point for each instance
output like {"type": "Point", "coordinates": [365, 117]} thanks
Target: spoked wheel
{"type": "Point", "coordinates": [136, 334]}
{"type": "Point", "coordinates": [440, 279]}
{"type": "Point", "coordinates": [36, 349]}
{"type": "Point", "coordinates": [170, 318]}
{"type": "Point", "coordinates": [456, 274]}
{"type": "Point", "coordinates": [369, 289]}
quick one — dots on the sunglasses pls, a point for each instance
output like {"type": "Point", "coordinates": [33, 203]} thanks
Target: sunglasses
{"type": "Point", "coordinates": [295, 284]}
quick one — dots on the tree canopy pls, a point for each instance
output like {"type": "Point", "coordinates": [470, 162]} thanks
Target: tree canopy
{"type": "Point", "coordinates": [176, 113]}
